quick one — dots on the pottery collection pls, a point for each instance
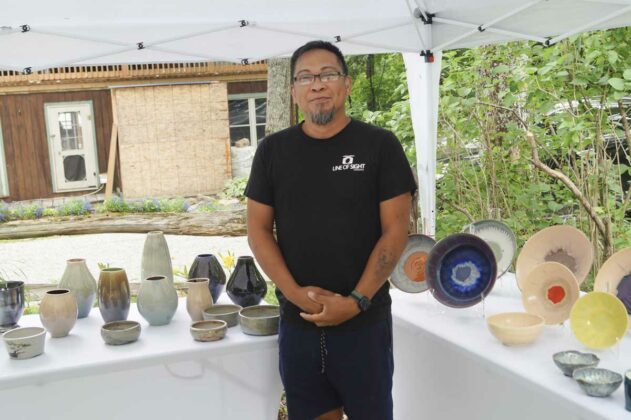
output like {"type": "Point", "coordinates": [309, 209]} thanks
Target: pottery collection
{"type": "Point", "coordinates": [78, 279]}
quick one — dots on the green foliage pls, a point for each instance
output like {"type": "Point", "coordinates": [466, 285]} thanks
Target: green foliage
{"type": "Point", "coordinates": [149, 205]}
{"type": "Point", "coordinates": [208, 206]}
{"type": "Point", "coordinates": [270, 297]}
{"type": "Point", "coordinates": [74, 208]}
{"type": "Point", "coordinates": [235, 188]}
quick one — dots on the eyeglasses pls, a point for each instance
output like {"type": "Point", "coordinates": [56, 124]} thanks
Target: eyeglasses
{"type": "Point", "coordinates": [325, 77]}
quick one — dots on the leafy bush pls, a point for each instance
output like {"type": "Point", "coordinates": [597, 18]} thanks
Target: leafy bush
{"type": "Point", "coordinates": [235, 188]}
{"type": "Point", "coordinates": [74, 208]}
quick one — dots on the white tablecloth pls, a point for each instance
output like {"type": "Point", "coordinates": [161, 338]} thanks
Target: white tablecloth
{"type": "Point", "coordinates": [164, 375]}
{"type": "Point", "coordinates": [449, 366]}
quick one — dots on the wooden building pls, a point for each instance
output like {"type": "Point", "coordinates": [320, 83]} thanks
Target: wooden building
{"type": "Point", "coordinates": [174, 125]}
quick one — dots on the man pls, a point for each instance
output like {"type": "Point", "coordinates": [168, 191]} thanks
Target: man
{"type": "Point", "coordinates": [339, 192]}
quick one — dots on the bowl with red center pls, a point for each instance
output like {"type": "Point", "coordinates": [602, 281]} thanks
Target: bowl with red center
{"type": "Point", "coordinates": [409, 273]}
{"type": "Point", "coordinates": [550, 290]}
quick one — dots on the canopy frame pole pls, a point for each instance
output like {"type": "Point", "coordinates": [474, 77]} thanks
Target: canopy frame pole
{"type": "Point", "coordinates": [417, 26]}
{"type": "Point", "coordinates": [486, 26]}
{"type": "Point", "coordinates": [583, 28]}
{"type": "Point", "coordinates": [493, 30]}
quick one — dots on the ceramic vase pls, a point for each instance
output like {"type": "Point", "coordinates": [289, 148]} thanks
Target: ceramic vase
{"type": "Point", "coordinates": [157, 300]}
{"type": "Point", "coordinates": [208, 266]}
{"type": "Point", "coordinates": [114, 294]}
{"type": "Point", "coordinates": [58, 312]}
{"type": "Point", "coordinates": [156, 259]}
{"type": "Point", "coordinates": [11, 305]}
{"type": "Point", "coordinates": [198, 298]}
{"type": "Point", "coordinates": [246, 286]}
{"type": "Point", "coordinates": [78, 279]}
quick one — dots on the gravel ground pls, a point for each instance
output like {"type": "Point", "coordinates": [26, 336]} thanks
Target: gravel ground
{"type": "Point", "coordinates": [43, 260]}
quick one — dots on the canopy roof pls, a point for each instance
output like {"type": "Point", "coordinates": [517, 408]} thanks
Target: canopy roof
{"type": "Point", "coordinates": [41, 34]}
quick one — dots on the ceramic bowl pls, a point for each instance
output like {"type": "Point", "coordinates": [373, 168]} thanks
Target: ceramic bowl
{"type": "Point", "coordinates": [211, 330]}
{"type": "Point", "coordinates": [599, 320]}
{"type": "Point", "coordinates": [116, 333]}
{"type": "Point", "coordinates": [550, 290]}
{"type": "Point", "coordinates": [228, 313]}
{"type": "Point", "coordinates": [260, 319]}
{"type": "Point", "coordinates": [569, 361]}
{"type": "Point", "coordinates": [500, 238]}
{"type": "Point", "coordinates": [409, 273]}
{"type": "Point", "coordinates": [615, 277]}
{"type": "Point", "coordinates": [515, 328]}
{"type": "Point", "coordinates": [24, 343]}
{"type": "Point", "coordinates": [597, 382]}
{"type": "Point", "coordinates": [563, 244]}
{"type": "Point", "coordinates": [461, 270]}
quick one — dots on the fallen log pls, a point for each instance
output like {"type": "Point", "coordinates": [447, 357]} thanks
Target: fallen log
{"type": "Point", "coordinates": [218, 223]}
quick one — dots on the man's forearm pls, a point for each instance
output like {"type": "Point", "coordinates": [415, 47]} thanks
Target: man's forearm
{"type": "Point", "coordinates": [271, 260]}
{"type": "Point", "coordinates": [381, 262]}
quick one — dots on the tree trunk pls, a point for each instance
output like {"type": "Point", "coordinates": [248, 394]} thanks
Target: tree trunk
{"type": "Point", "coordinates": [219, 223]}
{"type": "Point", "coordinates": [278, 95]}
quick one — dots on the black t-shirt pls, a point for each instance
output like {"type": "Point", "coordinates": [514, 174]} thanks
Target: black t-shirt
{"type": "Point", "coordinates": [326, 194]}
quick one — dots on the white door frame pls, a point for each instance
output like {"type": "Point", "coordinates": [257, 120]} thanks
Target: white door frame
{"type": "Point", "coordinates": [4, 180]}
{"type": "Point", "coordinates": [92, 165]}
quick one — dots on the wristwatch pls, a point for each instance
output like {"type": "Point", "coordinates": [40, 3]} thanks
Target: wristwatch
{"type": "Point", "coordinates": [362, 301]}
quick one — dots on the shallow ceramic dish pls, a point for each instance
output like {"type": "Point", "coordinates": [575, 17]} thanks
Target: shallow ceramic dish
{"type": "Point", "coordinates": [563, 244]}
{"type": "Point", "coordinates": [599, 320]}
{"type": "Point", "coordinates": [117, 333]}
{"type": "Point", "coordinates": [25, 343]}
{"type": "Point", "coordinates": [461, 270]}
{"type": "Point", "coordinates": [615, 277]}
{"type": "Point", "coordinates": [211, 330]}
{"type": "Point", "coordinates": [569, 361]}
{"type": "Point", "coordinates": [500, 238]}
{"type": "Point", "coordinates": [597, 382]}
{"type": "Point", "coordinates": [515, 328]}
{"type": "Point", "coordinates": [550, 290]}
{"type": "Point", "coordinates": [409, 273]}
{"type": "Point", "coordinates": [228, 313]}
{"type": "Point", "coordinates": [260, 319]}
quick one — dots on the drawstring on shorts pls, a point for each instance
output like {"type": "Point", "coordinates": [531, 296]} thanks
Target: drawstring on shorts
{"type": "Point", "coordinates": [323, 351]}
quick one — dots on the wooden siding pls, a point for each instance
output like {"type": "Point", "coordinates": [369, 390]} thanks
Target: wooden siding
{"type": "Point", "coordinates": [26, 145]}
{"type": "Point", "coordinates": [259, 86]}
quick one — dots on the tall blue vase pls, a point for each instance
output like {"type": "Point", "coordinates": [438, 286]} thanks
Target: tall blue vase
{"type": "Point", "coordinates": [246, 286]}
{"type": "Point", "coordinates": [207, 266]}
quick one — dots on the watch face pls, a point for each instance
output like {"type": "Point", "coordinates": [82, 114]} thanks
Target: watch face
{"type": "Point", "coordinates": [364, 304]}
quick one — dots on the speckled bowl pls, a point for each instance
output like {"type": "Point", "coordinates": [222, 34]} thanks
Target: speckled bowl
{"type": "Point", "coordinates": [228, 313]}
{"type": "Point", "coordinates": [260, 319]}
{"type": "Point", "coordinates": [25, 343]}
{"type": "Point", "coordinates": [117, 333]}
{"type": "Point", "coordinates": [569, 361]}
{"type": "Point", "coordinates": [597, 382]}
{"type": "Point", "coordinates": [211, 330]}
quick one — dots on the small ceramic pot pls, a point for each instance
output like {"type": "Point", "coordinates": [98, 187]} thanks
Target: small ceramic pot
{"type": "Point", "coordinates": [627, 390]}
{"type": "Point", "coordinates": [569, 361]}
{"type": "Point", "coordinates": [114, 294]}
{"type": "Point", "coordinates": [246, 286]}
{"type": "Point", "coordinates": [58, 312]}
{"type": "Point", "coordinates": [198, 298]}
{"type": "Point", "coordinates": [120, 332]}
{"type": "Point", "coordinates": [24, 343]}
{"type": "Point", "coordinates": [597, 382]}
{"type": "Point", "coordinates": [228, 313]}
{"type": "Point", "coordinates": [78, 279]}
{"type": "Point", "coordinates": [156, 258]}
{"type": "Point", "coordinates": [157, 300]}
{"type": "Point", "coordinates": [208, 266]}
{"type": "Point", "coordinates": [11, 305]}
{"type": "Point", "coordinates": [260, 320]}
{"type": "Point", "coordinates": [208, 330]}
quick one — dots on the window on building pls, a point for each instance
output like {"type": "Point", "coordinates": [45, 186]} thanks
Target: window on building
{"type": "Point", "coordinates": [247, 117]}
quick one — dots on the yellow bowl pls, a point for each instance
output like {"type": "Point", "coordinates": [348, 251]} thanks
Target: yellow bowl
{"type": "Point", "coordinates": [599, 320]}
{"type": "Point", "coordinates": [515, 328]}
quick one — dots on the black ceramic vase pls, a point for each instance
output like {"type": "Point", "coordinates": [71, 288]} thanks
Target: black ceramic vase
{"type": "Point", "coordinates": [206, 266]}
{"type": "Point", "coordinates": [11, 304]}
{"type": "Point", "coordinates": [246, 286]}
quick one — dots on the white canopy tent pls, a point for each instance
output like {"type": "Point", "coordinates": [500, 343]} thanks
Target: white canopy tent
{"type": "Point", "coordinates": [37, 35]}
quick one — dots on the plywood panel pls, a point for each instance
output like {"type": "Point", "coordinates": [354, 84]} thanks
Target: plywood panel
{"type": "Point", "coordinates": [173, 139]}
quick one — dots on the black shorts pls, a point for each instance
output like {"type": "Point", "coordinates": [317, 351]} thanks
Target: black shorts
{"type": "Point", "coordinates": [325, 369]}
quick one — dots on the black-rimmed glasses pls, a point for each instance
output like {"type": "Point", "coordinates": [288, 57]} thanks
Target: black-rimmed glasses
{"type": "Point", "coordinates": [325, 77]}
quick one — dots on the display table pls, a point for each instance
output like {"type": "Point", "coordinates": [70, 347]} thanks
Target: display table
{"type": "Point", "coordinates": [164, 375]}
{"type": "Point", "coordinates": [449, 366]}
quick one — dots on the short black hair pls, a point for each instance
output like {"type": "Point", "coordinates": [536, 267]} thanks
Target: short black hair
{"type": "Point", "coordinates": [317, 45]}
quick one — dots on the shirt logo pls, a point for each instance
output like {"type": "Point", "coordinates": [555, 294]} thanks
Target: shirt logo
{"type": "Point", "coordinates": [349, 165]}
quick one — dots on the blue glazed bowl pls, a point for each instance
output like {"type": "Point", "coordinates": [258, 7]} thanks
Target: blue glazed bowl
{"type": "Point", "coordinates": [460, 270]}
